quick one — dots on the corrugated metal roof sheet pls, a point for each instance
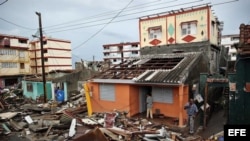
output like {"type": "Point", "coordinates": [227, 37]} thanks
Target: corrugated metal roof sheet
{"type": "Point", "coordinates": [141, 61]}
{"type": "Point", "coordinates": [168, 68]}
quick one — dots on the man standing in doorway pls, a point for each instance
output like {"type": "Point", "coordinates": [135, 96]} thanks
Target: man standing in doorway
{"type": "Point", "coordinates": [192, 111]}
{"type": "Point", "coordinates": [149, 101]}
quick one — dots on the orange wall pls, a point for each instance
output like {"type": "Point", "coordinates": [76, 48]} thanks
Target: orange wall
{"type": "Point", "coordinates": [134, 99]}
{"type": "Point", "coordinates": [126, 99]}
{"type": "Point", "coordinates": [173, 109]}
{"type": "Point", "coordinates": [185, 100]}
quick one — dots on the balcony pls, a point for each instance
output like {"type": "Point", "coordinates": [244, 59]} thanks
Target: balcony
{"type": "Point", "coordinates": [22, 71]}
{"type": "Point", "coordinates": [106, 50]}
{"type": "Point", "coordinates": [5, 42]}
{"type": "Point", "coordinates": [22, 59]}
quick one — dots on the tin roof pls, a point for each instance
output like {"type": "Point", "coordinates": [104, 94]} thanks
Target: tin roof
{"type": "Point", "coordinates": [161, 68]}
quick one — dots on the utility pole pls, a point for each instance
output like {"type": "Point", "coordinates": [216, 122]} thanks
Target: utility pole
{"type": "Point", "coordinates": [42, 56]}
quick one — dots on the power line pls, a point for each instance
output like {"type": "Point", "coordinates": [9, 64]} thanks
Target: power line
{"type": "Point", "coordinates": [148, 4]}
{"type": "Point", "coordinates": [93, 25]}
{"type": "Point", "coordinates": [3, 2]}
{"type": "Point", "coordinates": [135, 7]}
{"type": "Point", "coordinates": [103, 26]}
{"type": "Point", "coordinates": [225, 2]}
{"type": "Point", "coordinates": [111, 21]}
{"type": "Point", "coordinates": [137, 18]}
{"type": "Point", "coordinates": [103, 19]}
{"type": "Point", "coordinates": [98, 20]}
{"type": "Point", "coordinates": [119, 16]}
{"type": "Point", "coordinates": [17, 24]}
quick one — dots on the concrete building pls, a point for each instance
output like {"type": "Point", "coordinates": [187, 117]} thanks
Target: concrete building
{"type": "Point", "coordinates": [228, 41]}
{"type": "Point", "coordinates": [57, 55]}
{"type": "Point", "coordinates": [175, 47]}
{"type": "Point", "coordinates": [192, 24]}
{"type": "Point", "coordinates": [14, 59]}
{"type": "Point", "coordinates": [117, 53]}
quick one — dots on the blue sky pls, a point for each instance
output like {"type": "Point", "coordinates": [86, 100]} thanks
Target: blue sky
{"type": "Point", "coordinates": [89, 24]}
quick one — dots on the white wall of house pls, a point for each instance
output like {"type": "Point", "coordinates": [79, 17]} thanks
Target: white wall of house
{"type": "Point", "coordinates": [228, 41]}
{"type": "Point", "coordinates": [113, 52]}
{"type": "Point", "coordinates": [57, 55]}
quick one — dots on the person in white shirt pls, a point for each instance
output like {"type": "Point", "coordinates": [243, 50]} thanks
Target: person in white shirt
{"type": "Point", "coordinates": [149, 101]}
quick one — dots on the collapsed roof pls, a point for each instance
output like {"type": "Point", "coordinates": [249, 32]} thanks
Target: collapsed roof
{"type": "Point", "coordinates": [172, 68]}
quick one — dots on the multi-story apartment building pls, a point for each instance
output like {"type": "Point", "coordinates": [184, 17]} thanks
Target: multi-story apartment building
{"type": "Point", "coordinates": [228, 41]}
{"type": "Point", "coordinates": [175, 30]}
{"type": "Point", "coordinates": [14, 59]}
{"type": "Point", "coordinates": [57, 55]}
{"type": "Point", "coordinates": [116, 53]}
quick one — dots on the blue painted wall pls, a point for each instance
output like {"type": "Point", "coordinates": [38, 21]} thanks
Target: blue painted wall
{"type": "Point", "coordinates": [37, 89]}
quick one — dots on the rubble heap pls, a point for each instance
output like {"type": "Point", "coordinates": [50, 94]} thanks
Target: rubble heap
{"type": "Point", "coordinates": [33, 120]}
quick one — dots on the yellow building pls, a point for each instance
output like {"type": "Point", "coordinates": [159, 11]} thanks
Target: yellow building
{"type": "Point", "coordinates": [193, 24]}
{"type": "Point", "coordinates": [57, 55]}
{"type": "Point", "coordinates": [193, 29]}
{"type": "Point", "coordinates": [14, 59]}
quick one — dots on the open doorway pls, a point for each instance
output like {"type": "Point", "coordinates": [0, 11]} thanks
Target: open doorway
{"type": "Point", "coordinates": [10, 82]}
{"type": "Point", "coordinates": [144, 90]}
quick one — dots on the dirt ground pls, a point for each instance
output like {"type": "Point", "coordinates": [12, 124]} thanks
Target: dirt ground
{"type": "Point", "coordinates": [214, 125]}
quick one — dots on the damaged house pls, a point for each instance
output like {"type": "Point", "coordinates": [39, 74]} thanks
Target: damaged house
{"type": "Point", "coordinates": [176, 46]}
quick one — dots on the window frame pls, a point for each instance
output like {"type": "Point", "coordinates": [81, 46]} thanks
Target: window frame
{"type": "Point", "coordinates": [189, 28]}
{"type": "Point", "coordinates": [163, 95]}
{"type": "Point", "coordinates": [22, 54]}
{"type": "Point", "coordinates": [29, 87]}
{"type": "Point", "coordinates": [107, 92]}
{"type": "Point", "coordinates": [22, 66]}
{"type": "Point", "coordinates": [155, 32]}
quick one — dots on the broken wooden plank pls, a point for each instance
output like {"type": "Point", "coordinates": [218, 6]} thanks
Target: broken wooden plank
{"type": "Point", "coordinates": [125, 133]}
{"type": "Point", "coordinates": [15, 125]}
{"type": "Point", "coordinates": [35, 128]}
{"type": "Point", "coordinates": [110, 134]}
{"type": "Point", "coordinates": [113, 136]}
{"type": "Point", "coordinates": [50, 127]}
{"type": "Point", "coordinates": [1, 105]}
{"type": "Point", "coordinates": [8, 115]}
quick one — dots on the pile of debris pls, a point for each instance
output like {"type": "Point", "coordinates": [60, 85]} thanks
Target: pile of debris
{"type": "Point", "coordinates": [68, 121]}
